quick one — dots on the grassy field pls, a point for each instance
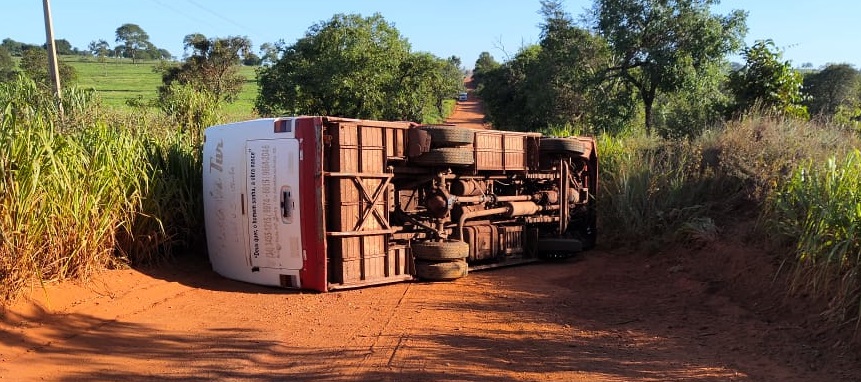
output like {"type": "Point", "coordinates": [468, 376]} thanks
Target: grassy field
{"type": "Point", "coordinates": [117, 81]}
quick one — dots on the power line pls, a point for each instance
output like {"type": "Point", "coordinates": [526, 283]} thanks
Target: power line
{"type": "Point", "coordinates": [242, 27]}
{"type": "Point", "coordinates": [186, 15]}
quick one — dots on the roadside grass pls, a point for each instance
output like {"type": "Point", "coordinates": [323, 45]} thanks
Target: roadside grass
{"type": "Point", "coordinates": [653, 192]}
{"type": "Point", "coordinates": [800, 181]}
{"type": "Point", "coordinates": [432, 114]}
{"type": "Point", "coordinates": [818, 209]}
{"type": "Point", "coordinates": [90, 190]}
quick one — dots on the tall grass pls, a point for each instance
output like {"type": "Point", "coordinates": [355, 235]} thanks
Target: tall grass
{"type": "Point", "coordinates": [799, 180]}
{"type": "Point", "coordinates": [655, 191]}
{"type": "Point", "coordinates": [819, 205]}
{"type": "Point", "coordinates": [81, 193]}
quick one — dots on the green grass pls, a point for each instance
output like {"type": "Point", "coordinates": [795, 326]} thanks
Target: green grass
{"type": "Point", "coordinates": [243, 108]}
{"type": "Point", "coordinates": [653, 192]}
{"type": "Point", "coordinates": [117, 81]}
{"type": "Point", "coordinates": [85, 191]}
{"type": "Point", "coordinates": [819, 206]}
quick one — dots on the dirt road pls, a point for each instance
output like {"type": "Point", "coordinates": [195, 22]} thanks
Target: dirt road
{"type": "Point", "coordinates": [711, 314]}
{"type": "Point", "coordinates": [468, 113]}
{"type": "Point", "coordinates": [602, 317]}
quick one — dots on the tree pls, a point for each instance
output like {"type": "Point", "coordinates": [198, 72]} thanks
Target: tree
{"type": "Point", "coordinates": [268, 53]}
{"type": "Point", "coordinates": [164, 54]}
{"type": "Point", "coordinates": [14, 48]}
{"type": "Point", "coordinates": [571, 86]}
{"type": "Point", "coordinates": [212, 66]}
{"type": "Point", "coordinates": [7, 66]}
{"type": "Point", "coordinates": [133, 39]}
{"type": "Point", "coordinates": [767, 81]}
{"type": "Point", "coordinates": [341, 67]}
{"type": "Point", "coordinates": [661, 44]}
{"type": "Point", "coordinates": [100, 49]}
{"type": "Point", "coordinates": [63, 47]}
{"type": "Point", "coordinates": [251, 59]}
{"type": "Point", "coordinates": [831, 88]}
{"type": "Point", "coordinates": [561, 82]}
{"type": "Point", "coordinates": [34, 64]}
{"type": "Point", "coordinates": [484, 64]}
{"type": "Point", "coordinates": [698, 105]}
{"type": "Point", "coordinates": [504, 91]}
{"type": "Point", "coordinates": [423, 83]}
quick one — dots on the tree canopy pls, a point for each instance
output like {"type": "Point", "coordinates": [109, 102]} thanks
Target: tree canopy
{"type": "Point", "coordinates": [134, 40]}
{"type": "Point", "coordinates": [34, 64]}
{"type": "Point", "coordinates": [767, 81]}
{"type": "Point", "coordinates": [662, 44]}
{"type": "Point", "coordinates": [7, 66]}
{"type": "Point", "coordinates": [100, 49]}
{"type": "Point", "coordinates": [832, 89]}
{"type": "Point", "coordinates": [560, 81]}
{"type": "Point", "coordinates": [358, 67]}
{"type": "Point", "coordinates": [212, 66]}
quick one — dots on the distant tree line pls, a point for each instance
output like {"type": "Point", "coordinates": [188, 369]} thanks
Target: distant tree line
{"type": "Point", "coordinates": [659, 64]}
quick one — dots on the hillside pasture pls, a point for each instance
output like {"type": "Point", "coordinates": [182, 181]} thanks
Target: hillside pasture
{"type": "Point", "coordinates": [119, 80]}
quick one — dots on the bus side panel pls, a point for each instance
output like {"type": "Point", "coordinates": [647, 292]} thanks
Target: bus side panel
{"type": "Point", "coordinates": [313, 273]}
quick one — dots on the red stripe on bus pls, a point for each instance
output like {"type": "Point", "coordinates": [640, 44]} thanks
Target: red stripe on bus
{"type": "Point", "coordinates": [313, 273]}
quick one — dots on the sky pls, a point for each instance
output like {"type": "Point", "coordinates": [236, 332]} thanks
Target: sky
{"type": "Point", "coordinates": [816, 33]}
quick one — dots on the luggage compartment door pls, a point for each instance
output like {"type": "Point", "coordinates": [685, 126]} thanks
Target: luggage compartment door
{"type": "Point", "coordinates": [272, 203]}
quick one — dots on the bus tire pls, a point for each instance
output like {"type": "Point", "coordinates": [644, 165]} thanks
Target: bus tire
{"type": "Point", "coordinates": [561, 146]}
{"type": "Point", "coordinates": [449, 136]}
{"type": "Point", "coordinates": [440, 250]}
{"type": "Point", "coordinates": [441, 270]}
{"type": "Point", "coordinates": [446, 156]}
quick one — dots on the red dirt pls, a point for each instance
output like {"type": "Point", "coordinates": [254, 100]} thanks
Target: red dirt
{"type": "Point", "coordinates": [706, 315]}
{"type": "Point", "coordinates": [709, 314]}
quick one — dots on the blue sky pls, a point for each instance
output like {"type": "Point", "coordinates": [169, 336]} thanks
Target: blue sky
{"type": "Point", "coordinates": [809, 32]}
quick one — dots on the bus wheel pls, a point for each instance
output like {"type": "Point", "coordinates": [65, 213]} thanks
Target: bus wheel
{"type": "Point", "coordinates": [441, 270]}
{"type": "Point", "coordinates": [440, 250]}
{"type": "Point", "coordinates": [449, 136]}
{"type": "Point", "coordinates": [561, 146]}
{"type": "Point", "coordinates": [446, 156]}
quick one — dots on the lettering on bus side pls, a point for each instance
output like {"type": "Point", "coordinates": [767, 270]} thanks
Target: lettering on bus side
{"type": "Point", "coordinates": [255, 229]}
{"type": "Point", "coordinates": [217, 162]}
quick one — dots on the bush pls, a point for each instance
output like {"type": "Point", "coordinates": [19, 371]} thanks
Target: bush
{"type": "Point", "coordinates": [192, 109]}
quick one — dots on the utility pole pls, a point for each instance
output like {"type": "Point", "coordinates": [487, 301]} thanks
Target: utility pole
{"type": "Point", "coordinates": [53, 68]}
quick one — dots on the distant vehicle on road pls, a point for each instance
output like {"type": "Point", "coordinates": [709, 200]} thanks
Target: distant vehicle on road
{"type": "Point", "coordinates": [462, 97]}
